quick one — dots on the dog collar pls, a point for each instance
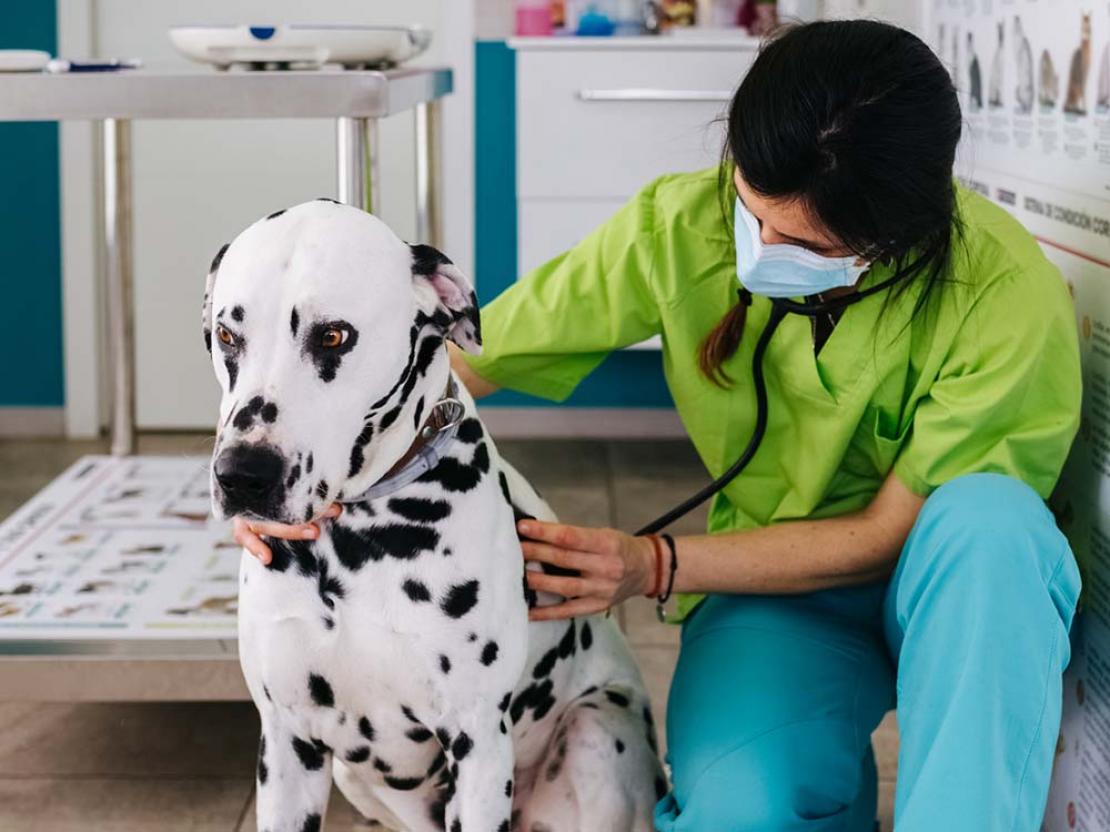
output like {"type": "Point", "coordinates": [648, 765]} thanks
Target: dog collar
{"type": "Point", "coordinates": [437, 432]}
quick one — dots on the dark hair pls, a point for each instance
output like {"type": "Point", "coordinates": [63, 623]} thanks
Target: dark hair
{"type": "Point", "coordinates": [860, 121]}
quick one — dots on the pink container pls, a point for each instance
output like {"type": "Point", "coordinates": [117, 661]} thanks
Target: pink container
{"type": "Point", "coordinates": [533, 19]}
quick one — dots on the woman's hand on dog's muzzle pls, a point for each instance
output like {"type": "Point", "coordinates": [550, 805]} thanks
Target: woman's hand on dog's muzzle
{"type": "Point", "coordinates": [249, 533]}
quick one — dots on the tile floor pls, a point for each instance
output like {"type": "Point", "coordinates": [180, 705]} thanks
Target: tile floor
{"type": "Point", "coordinates": [189, 767]}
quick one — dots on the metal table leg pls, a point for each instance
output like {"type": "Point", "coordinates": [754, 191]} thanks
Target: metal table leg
{"type": "Point", "coordinates": [429, 225]}
{"type": "Point", "coordinates": [119, 278]}
{"type": "Point", "coordinates": [356, 159]}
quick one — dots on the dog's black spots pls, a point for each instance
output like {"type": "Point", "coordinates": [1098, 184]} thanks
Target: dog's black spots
{"type": "Point", "coordinates": [460, 599]}
{"type": "Point", "coordinates": [207, 339]}
{"type": "Point", "coordinates": [546, 663]}
{"type": "Point", "coordinates": [390, 417]}
{"type": "Point", "coordinates": [287, 551]}
{"type": "Point", "coordinates": [328, 585]}
{"type": "Point", "coordinates": [536, 698]}
{"type": "Point", "coordinates": [320, 690]}
{"type": "Point", "coordinates": [327, 359]}
{"type": "Point", "coordinates": [504, 482]}
{"type": "Point", "coordinates": [243, 419]}
{"type": "Point", "coordinates": [508, 788]}
{"type": "Point", "coordinates": [470, 431]}
{"type": "Point", "coordinates": [587, 635]}
{"type": "Point", "coordinates": [436, 764]}
{"type": "Point", "coordinates": [567, 643]}
{"type": "Point", "coordinates": [322, 489]}
{"type": "Point", "coordinates": [454, 770]}
{"type": "Point", "coordinates": [503, 826]}
{"type": "Point", "coordinates": [416, 590]}
{"type": "Point", "coordinates": [311, 823]}
{"type": "Point", "coordinates": [294, 475]}
{"type": "Point", "coordinates": [308, 464]}
{"type": "Point", "coordinates": [237, 314]}
{"type": "Point", "coordinates": [413, 332]}
{"type": "Point", "coordinates": [281, 557]}
{"type": "Point", "coordinates": [263, 771]}
{"type": "Point", "coordinates": [461, 746]}
{"type": "Point", "coordinates": [471, 636]}
{"type": "Point", "coordinates": [355, 547]}
{"type": "Point", "coordinates": [429, 348]}
{"type": "Point", "coordinates": [617, 698]}
{"type": "Point", "coordinates": [358, 755]}
{"type": "Point", "coordinates": [648, 718]}
{"type": "Point", "coordinates": [357, 452]}
{"type": "Point", "coordinates": [328, 199]}
{"type": "Point", "coordinates": [329, 622]}
{"type": "Point", "coordinates": [456, 825]}
{"type": "Point", "coordinates": [266, 691]}
{"type": "Point", "coordinates": [219, 257]}
{"type": "Point", "coordinates": [504, 703]}
{"type": "Point", "coordinates": [660, 788]}
{"type": "Point", "coordinates": [382, 766]}
{"type": "Point", "coordinates": [489, 653]}
{"type": "Point", "coordinates": [409, 715]}
{"type": "Point", "coordinates": [275, 215]}
{"type": "Point", "coordinates": [418, 412]}
{"type": "Point", "coordinates": [403, 784]}
{"type": "Point", "coordinates": [269, 413]}
{"type": "Point", "coordinates": [591, 705]}
{"type": "Point", "coordinates": [420, 510]}
{"type": "Point", "coordinates": [426, 259]}
{"type": "Point", "coordinates": [447, 551]}
{"type": "Point", "coordinates": [311, 754]}
{"type": "Point", "coordinates": [481, 458]}
{"type": "Point", "coordinates": [620, 746]}
{"type": "Point", "coordinates": [444, 664]}
{"type": "Point", "coordinates": [294, 322]}
{"type": "Point", "coordinates": [419, 734]}
{"type": "Point", "coordinates": [366, 729]}
{"type": "Point", "coordinates": [232, 367]}
{"type": "Point", "coordinates": [453, 475]}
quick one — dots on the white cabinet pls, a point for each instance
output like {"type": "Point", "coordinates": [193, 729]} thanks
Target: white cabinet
{"type": "Point", "coordinates": [599, 119]}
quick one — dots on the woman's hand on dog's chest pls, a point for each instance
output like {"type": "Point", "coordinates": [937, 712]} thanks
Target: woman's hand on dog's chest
{"type": "Point", "coordinates": [612, 566]}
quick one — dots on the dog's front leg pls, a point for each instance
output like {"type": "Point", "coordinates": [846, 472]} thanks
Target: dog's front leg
{"type": "Point", "coordinates": [294, 780]}
{"type": "Point", "coordinates": [481, 757]}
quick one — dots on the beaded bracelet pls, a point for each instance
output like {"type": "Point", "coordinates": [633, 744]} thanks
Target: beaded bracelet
{"type": "Point", "coordinates": [660, 611]}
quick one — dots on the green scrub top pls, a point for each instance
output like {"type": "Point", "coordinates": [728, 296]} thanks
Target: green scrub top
{"type": "Point", "coordinates": [985, 377]}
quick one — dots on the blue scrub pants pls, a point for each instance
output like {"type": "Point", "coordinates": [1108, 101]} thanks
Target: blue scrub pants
{"type": "Point", "coordinates": [775, 697]}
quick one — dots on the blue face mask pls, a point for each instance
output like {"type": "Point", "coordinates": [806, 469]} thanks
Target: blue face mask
{"type": "Point", "coordinates": [781, 270]}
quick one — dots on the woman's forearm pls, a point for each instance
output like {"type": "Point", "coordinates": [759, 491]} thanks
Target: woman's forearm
{"type": "Point", "coordinates": [803, 555]}
{"type": "Point", "coordinates": [477, 385]}
{"type": "Point", "coordinates": [793, 557]}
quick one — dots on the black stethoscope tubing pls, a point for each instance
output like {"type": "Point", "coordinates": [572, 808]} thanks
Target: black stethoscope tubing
{"type": "Point", "coordinates": [780, 307]}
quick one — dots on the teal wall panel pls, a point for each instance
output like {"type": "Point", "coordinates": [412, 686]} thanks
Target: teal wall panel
{"type": "Point", "coordinates": [30, 236]}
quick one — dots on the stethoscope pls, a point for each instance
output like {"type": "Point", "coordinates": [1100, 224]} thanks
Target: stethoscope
{"type": "Point", "coordinates": [780, 308]}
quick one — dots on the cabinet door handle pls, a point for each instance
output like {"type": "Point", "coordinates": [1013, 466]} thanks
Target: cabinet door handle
{"type": "Point", "coordinates": [654, 95]}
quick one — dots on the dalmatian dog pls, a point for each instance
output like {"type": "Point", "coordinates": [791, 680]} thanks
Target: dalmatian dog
{"type": "Point", "coordinates": [394, 653]}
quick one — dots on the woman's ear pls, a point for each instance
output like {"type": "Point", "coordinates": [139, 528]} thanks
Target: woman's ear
{"type": "Point", "coordinates": [446, 297]}
{"type": "Point", "coordinates": [206, 310]}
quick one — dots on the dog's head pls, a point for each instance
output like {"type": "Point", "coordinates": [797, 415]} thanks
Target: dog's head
{"type": "Point", "coordinates": [327, 336]}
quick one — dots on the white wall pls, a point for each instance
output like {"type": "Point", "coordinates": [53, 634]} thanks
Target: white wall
{"type": "Point", "coordinates": [199, 183]}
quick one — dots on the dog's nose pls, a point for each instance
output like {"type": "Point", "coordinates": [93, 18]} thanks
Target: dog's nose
{"type": "Point", "coordinates": [249, 474]}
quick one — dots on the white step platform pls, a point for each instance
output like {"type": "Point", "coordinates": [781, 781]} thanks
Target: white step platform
{"type": "Point", "coordinates": [117, 585]}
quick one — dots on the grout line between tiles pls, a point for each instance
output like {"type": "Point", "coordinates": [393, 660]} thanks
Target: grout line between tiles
{"type": "Point", "coordinates": [243, 812]}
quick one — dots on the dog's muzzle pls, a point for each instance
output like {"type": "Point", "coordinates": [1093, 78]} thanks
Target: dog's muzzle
{"type": "Point", "coordinates": [250, 477]}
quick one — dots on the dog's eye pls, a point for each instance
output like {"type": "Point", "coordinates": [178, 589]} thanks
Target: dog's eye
{"type": "Point", "coordinates": [224, 334]}
{"type": "Point", "coordinates": [333, 337]}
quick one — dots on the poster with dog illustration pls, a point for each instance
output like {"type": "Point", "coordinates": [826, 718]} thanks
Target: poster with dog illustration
{"type": "Point", "coordinates": [1034, 84]}
{"type": "Point", "coordinates": [119, 548]}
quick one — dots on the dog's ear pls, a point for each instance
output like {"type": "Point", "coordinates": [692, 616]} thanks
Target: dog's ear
{"type": "Point", "coordinates": [448, 297]}
{"type": "Point", "coordinates": [209, 284]}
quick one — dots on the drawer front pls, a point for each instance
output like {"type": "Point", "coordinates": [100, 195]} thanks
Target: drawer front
{"type": "Point", "coordinates": [547, 228]}
{"type": "Point", "coordinates": [600, 125]}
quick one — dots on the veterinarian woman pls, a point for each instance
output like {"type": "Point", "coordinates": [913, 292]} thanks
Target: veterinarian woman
{"type": "Point", "coordinates": [888, 544]}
